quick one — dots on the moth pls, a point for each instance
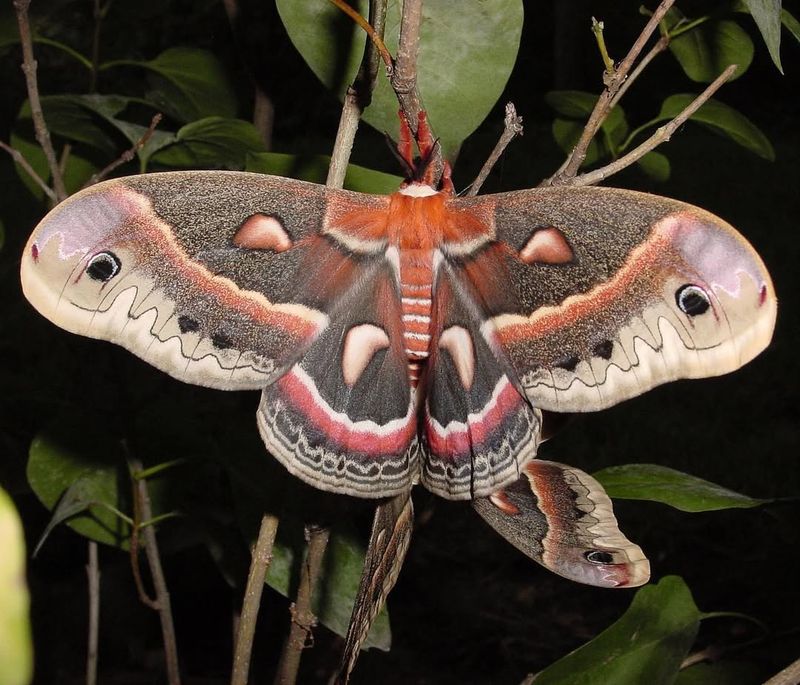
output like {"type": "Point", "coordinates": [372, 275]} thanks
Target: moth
{"type": "Point", "coordinates": [417, 336]}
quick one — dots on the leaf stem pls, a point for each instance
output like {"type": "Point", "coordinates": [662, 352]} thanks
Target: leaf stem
{"type": "Point", "coordinates": [375, 34]}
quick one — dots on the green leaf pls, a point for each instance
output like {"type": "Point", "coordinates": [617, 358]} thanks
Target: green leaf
{"type": "Point", "coordinates": [333, 602]}
{"type": "Point", "coordinates": [646, 645]}
{"type": "Point", "coordinates": [722, 119]}
{"type": "Point", "coordinates": [656, 166]}
{"type": "Point", "coordinates": [16, 647]}
{"type": "Point", "coordinates": [668, 486]}
{"type": "Point", "coordinates": [767, 15]}
{"type": "Point", "coordinates": [315, 170]}
{"type": "Point", "coordinates": [791, 24]}
{"type": "Point", "coordinates": [211, 142]}
{"type": "Point", "coordinates": [188, 84]}
{"type": "Point", "coordinates": [705, 51]}
{"type": "Point", "coordinates": [466, 53]}
{"type": "Point", "coordinates": [78, 455]}
{"type": "Point", "coordinates": [577, 104]}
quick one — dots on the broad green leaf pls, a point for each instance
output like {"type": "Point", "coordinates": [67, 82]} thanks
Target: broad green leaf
{"type": "Point", "coordinates": [188, 84]}
{"type": "Point", "coordinates": [675, 488]}
{"type": "Point", "coordinates": [315, 169]}
{"type": "Point", "coordinates": [722, 119]}
{"type": "Point", "coordinates": [567, 133]}
{"type": "Point", "coordinates": [705, 51]}
{"type": "Point", "coordinates": [466, 53]}
{"type": "Point", "coordinates": [16, 647]}
{"type": "Point", "coordinates": [577, 104]}
{"type": "Point", "coordinates": [767, 15]}
{"type": "Point", "coordinates": [656, 166]}
{"type": "Point", "coordinates": [646, 645]}
{"type": "Point", "coordinates": [211, 142]}
{"type": "Point", "coordinates": [333, 602]}
{"type": "Point", "coordinates": [791, 24]}
{"type": "Point", "coordinates": [71, 452]}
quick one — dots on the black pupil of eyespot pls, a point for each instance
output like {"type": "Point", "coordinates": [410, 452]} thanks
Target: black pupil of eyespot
{"type": "Point", "coordinates": [598, 557]}
{"type": "Point", "coordinates": [103, 266]}
{"type": "Point", "coordinates": [691, 300]}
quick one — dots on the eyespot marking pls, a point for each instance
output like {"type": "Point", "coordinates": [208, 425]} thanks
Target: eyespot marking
{"type": "Point", "coordinates": [604, 349]}
{"type": "Point", "coordinates": [547, 246]}
{"type": "Point", "coordinates": [598, 556]}
{"type": "Point", "coordinates": [361, 344]}
{"type": "Point", "coordinates": [187, 324]}
{"type": "Point", "coordinates": [263, 232]}
{"type": "Point", "coordinates": [692, 300]}
{"type": "Point", "coordinates": [568, 363]}
{"type": "Point", "coordinates": [103, 267]}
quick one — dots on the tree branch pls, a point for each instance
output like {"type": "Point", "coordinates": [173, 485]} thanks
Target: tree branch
{"type": "Point", "coordinates": [303, 619]}
{"type": "Point", "coordinates": [37, 115]}
{"type": "Point", "coordinates": [262, 558]}
{"type": "Point", "coordinates": [788, 676]}
{"type": "Point", "coordinates": [512, 127]}
{"type": "Point", "coordinates": [357, 98]}
{"type": "Point", "coordinates": [93, 577]}
{"type": "Point", "coordinates": [661, 135]}
{"type": "Point", "coordinates": [19, 159]}
{"type": "Point", "coordinates": [602, 107]}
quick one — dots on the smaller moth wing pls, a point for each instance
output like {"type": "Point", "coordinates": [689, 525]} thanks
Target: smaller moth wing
{"type": "Point", "coordinates": [562, 518]}
{"type": "Point", "coordinates": [612, 292]}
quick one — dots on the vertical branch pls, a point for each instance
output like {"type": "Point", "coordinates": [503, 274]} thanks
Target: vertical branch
{"type": "Point", "coordinates": [93, 577]}
{"type": "Point", "coordinates": [39, 125]}
{"type": "Point", "coordinates": [357, 98]}
{"type": "Point", "coordinates": [246, 630]}
{"type": "Point", "coordinates": [303, 619]}
{"type": "Point", "coordinates": [404, 77]}
{"type": "Point", "coordinates": [162, 601]}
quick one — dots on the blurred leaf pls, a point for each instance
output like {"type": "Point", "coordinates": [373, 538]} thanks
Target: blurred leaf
{"type": "Point", "coordinates": [646, 645]}
{"type": "Point", "coordinates": [567, 133]}
{"type": "Point", "coordinates": [79, 455]}
{"type": "Point", "coordinates": [16, 648]}
{"type": "Point", "coordinates": [791, 24]}
{"type": "Point", "coordinates": [77, 171]}
{"type": "Point", "coordinates": [767, 15]}
{"type": "Point", "coordinates": [315, 170]}
{"type": "Point", "coordinates": [212, 142]}
{"type": "Point", "coordinates": [466, 53]}
{"type": "Point", "coordinates": [188, 84]}
{"type": "Point", "coordinates": [675, 488]}
{"type": "Point", "coordinates": [656, 166]}
{"type": "Point", "coordinates": [722, 119]}
{"type": "Point", "coordinates": [705, 51]}
{"type": "Point", "coordinates": [720, 673]}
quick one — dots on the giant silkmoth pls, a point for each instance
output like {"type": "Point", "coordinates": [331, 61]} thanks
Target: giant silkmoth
{"type": "Point", "coordinates": [418, 336]}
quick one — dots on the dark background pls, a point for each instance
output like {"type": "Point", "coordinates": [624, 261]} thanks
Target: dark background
{"type": "Point", "coordinates": [468, 608]}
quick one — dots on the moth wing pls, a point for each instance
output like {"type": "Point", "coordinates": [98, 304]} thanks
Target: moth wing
{"type": "Point", "coordinates": [218, 278]}
{"type": "Point", "coordinates": [611, 292]}
{"type": "Point", "coordinates": [562, 518]}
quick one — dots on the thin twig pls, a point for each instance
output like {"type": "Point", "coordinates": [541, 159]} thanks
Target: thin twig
{"type": "Point", "coordinates": [375, 34]}
{"type": "Point", "coordinates": [656, 50]}
{"type": "Point", "coordinates": [404, 77]}
{"type": "Point", "coordinates": [20, 159]}
{"type": "Point", "coordinates": [788, 676]}
{"type": "Point", "coordinates": [303, 619]}
{"type": "Point", "coordinates": [602, 107]}
{"type": "Point", "coordinates": [37, 115]}
{"type": "Point", "coordinates": [246, 629]}
{"type": "Point", "coordinates": [512, 127]}
{"type": "Point", "coordinates": [126, 156]}
{"type": "Point", "coordinates": [357, 98]}
{"type": "Point", "coordinates": [162, 602]}
{"type": "Point", "coordinates": [93, 578]}
{"type": "Point", "coordinates": [661, 135]}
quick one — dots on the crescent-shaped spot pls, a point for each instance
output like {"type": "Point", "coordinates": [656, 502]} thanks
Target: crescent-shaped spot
{"type": "Point", "coordinates": [458, 342]}
{"type": "Point", "coordinates": [360, 345]}
{"type": "Point", "coordinates": [263, 232]}
{"type": "Point", "coordinates": [501, 500]}
{"type": "Point", "coordinates": [547, 246]}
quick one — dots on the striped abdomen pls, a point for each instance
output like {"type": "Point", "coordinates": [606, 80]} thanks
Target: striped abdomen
{"type": "Point", "coordinates": [416, 286]}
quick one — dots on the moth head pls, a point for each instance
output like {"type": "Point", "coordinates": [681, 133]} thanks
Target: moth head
{"type": "Point", "coordinates": [718, 289]}
{"type": "Point", "coordinates": [78, 255]}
